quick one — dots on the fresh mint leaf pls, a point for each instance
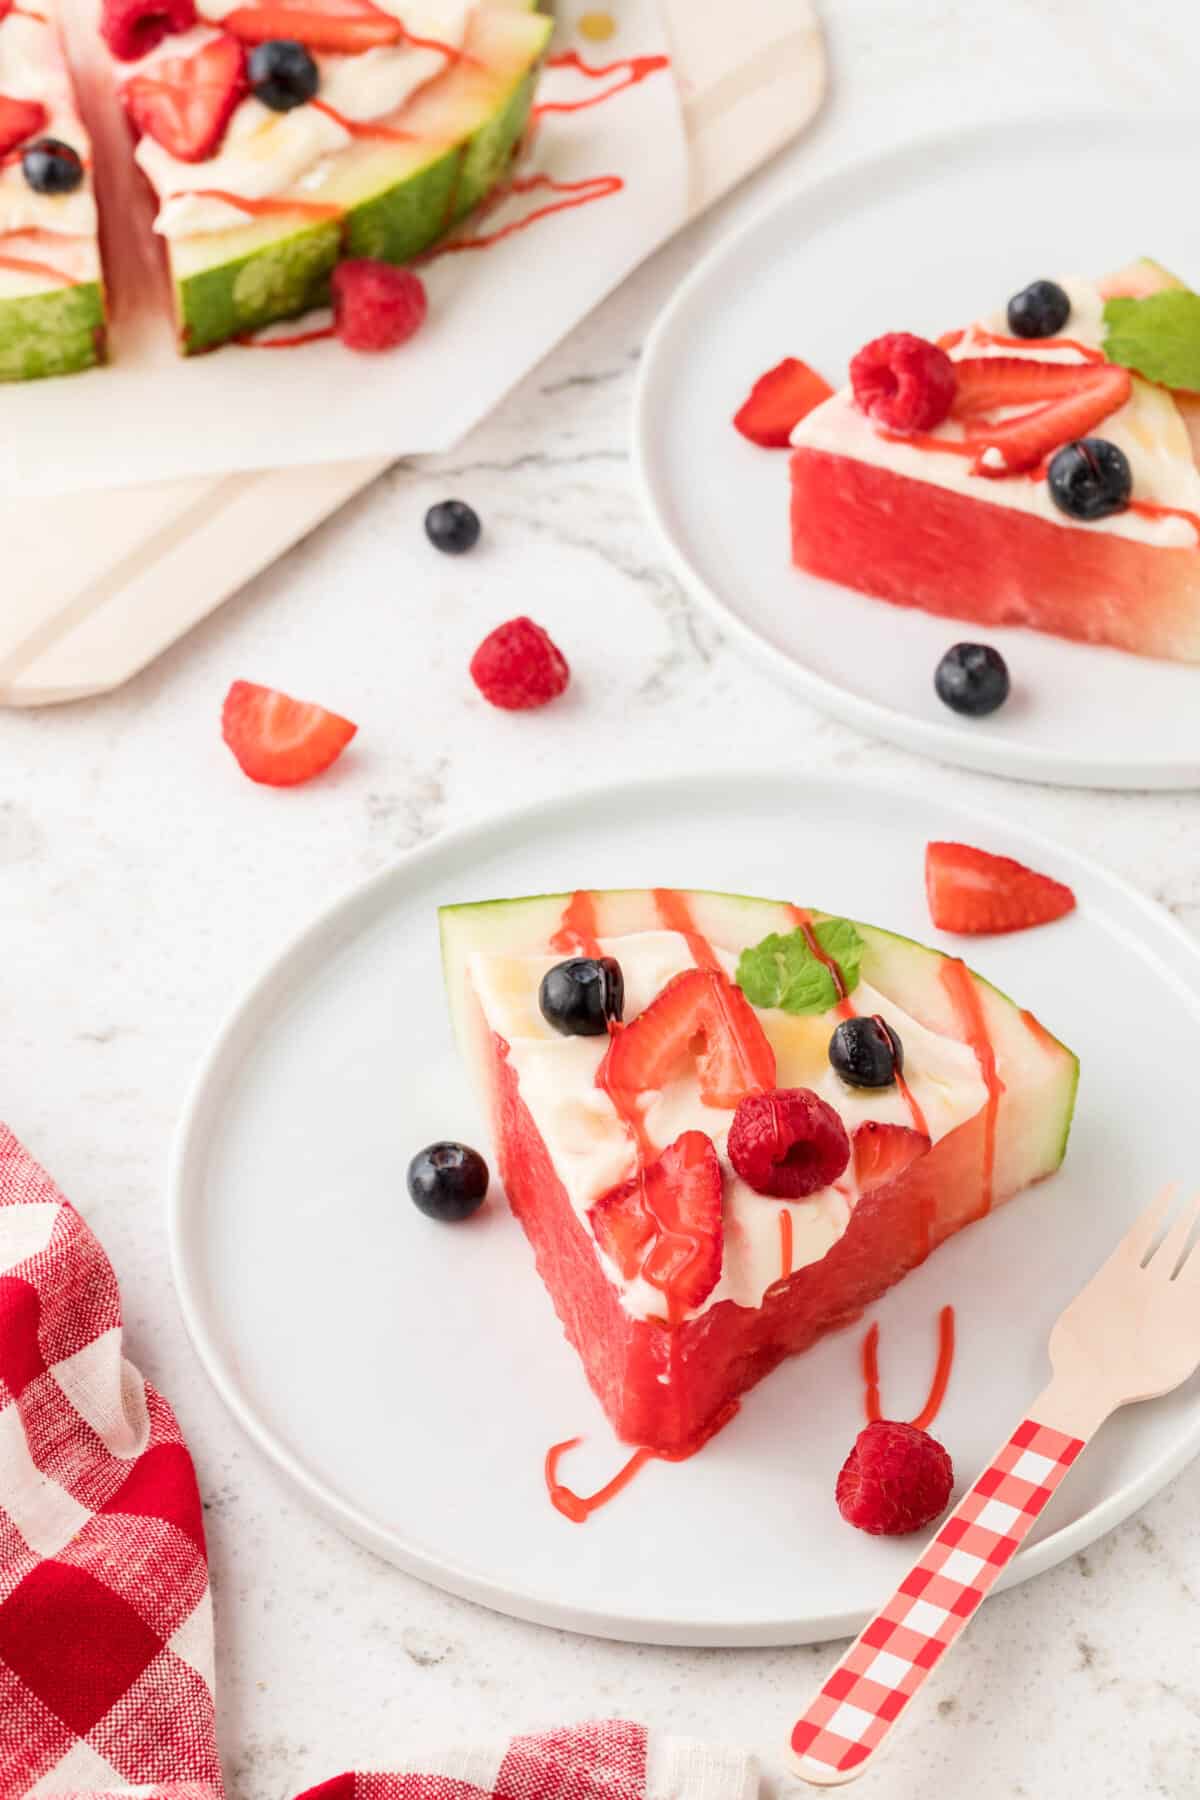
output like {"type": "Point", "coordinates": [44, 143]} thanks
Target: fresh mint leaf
{"type": "Point", "coordinates": [785, 971]}
{"type": "Point", "coordinates": [1158, 336]}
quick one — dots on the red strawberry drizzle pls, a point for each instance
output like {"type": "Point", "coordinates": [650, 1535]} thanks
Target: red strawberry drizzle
{"type": "Point", "coordinates": [580, 1507]}
{"type": "Point", "coordinates": [632, 69]}
{"type": "Point", "coordinates": [578, 929]}
{"type": "Point", "coordinates": [676, 915]}
{"type": "Point", "coordinates": [785, 1243]}
{"type": "Point", "coordinates": [574, 193]}
{"type": "Point", "coordinates": [778, 401]}
{"type": "Point", "coordinates": [964, 997]}
{"type": "Point", "coordinates": [846, 1007]}
{"type": "Point", "coordinates": [938, 1385]}
{"type": "Point", "coordinates": [270, 204]}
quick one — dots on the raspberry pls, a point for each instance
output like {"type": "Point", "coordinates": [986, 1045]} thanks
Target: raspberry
{"type": "Point", "coordinates": [376, 306]}
{"type": "Point", "coordinates": [787, 1142]}
{"type": "Point", "coordinates": [132, 28]}
{"type": "Point", "coordinates": [903, 382]}
{"type": "Point", "coordinates": [895, 1480]}
{"type": "Point", "coordinates": [518, 666]}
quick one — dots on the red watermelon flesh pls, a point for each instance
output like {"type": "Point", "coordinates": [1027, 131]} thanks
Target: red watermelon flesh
{"type": "Point", "coordinates": [917, 544]}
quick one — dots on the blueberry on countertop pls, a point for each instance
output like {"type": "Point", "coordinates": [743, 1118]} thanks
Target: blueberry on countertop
{"type": "Point", "coordinates": [452, 526]}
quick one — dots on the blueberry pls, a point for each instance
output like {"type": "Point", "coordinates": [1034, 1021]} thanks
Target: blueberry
{"type": "Point", "coordinates": [51, 167]}
{"type": "Point", "coordinates": [1090, 479]}
{"type": "Point", "coordinates": [448, 1181]}
{"type": "Point", "coordinates": [866, 1052]}
{"type": "Point", "coordinates": [1039, 310]}
{"type": "Point", "coordinates": [282, 74]}
{"type": "Point", "coordinates": [452, 526]}
{"type": "Point", "coordinates": [972, 679]}
{"type": "Point", "coordinates": [580, 996]}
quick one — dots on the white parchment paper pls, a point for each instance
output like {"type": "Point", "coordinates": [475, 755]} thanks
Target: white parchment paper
{"type": "Point", "coordinates": [152, 415]}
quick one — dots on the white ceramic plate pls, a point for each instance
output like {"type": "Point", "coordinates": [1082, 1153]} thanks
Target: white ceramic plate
{"type": "Point", "coordinates": [409, 1376]}
{"type": "Point", "coordinates": [927, 237]}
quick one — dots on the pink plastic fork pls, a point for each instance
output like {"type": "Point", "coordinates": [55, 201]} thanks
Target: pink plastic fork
{"type": "Point", "coordinates": [1132, 1333]}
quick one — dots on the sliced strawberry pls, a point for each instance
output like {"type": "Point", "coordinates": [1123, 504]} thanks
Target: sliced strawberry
{"type": "Point", "coordinates": [278, 740]}
{"type": "Point", "coordinates": [972, 891]}
{"type": "Point", "coordinates": [345, 25]}
{"type": "Point", "coordinates": [185, 102]}
{"type": "Point", "coordinates": [883, 1151]}
{"type": "Point", "coordinates": [665, 1224]}
{"type": "Point", "coordinates": [19, 119]}
{"type": "Point", "coordinates": [778, 401]}
{"type": "Point", "coordinates": [700, 1013]}
{"type": "Point", "coordinates": [1074, 398]}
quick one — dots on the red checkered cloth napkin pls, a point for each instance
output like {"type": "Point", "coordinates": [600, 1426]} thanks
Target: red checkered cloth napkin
{"type": "Point", "coordinates": [106, 1644]}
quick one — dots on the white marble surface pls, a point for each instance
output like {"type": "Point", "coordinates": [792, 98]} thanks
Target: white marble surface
{"type": "Point", "coordinates": [142, 882]}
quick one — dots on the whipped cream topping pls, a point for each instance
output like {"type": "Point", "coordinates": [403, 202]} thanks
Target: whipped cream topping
{"type": "Point", "coordinates": [592, 1149]}
{"type": "Point", "coordinates": [269, 155]}
{"type": "Point", "coordinates": [1148, 428]}
{"type": "Point", "coordinates": [32, 67]}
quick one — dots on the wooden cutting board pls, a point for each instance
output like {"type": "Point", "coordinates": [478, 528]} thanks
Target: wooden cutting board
{"type": "Point", "coordinates": [86, 608]}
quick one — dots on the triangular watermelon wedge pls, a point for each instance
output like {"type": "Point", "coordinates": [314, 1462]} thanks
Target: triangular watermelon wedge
{"type": "Point", "coordinates": [989, 1087]}
{"type": "Point", "coordinates": [960, 521]}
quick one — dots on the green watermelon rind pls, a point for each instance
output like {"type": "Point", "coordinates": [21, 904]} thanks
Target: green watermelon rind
{"type": "Point", "coordinates": [57, 332]}
{"type": "Point", "coordinates": [458, 923]}
{"type": "Point", "coordinates": [290, 275]}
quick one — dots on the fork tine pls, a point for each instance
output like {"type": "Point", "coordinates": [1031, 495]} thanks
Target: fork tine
{"type": "Point", "coordinates": [1183, 1230]}
{"type": "Point", "coordinates": [1139, 1239]}
{"type": "Point", "coordinates": [1166, 1256]}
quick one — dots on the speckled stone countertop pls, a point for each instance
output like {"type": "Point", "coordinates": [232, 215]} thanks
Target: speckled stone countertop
{"type": "Point", "coordinates": [143, 882]}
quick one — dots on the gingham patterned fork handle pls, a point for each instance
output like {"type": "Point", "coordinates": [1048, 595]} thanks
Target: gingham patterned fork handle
{"type": "Point", "coordinates": [885, 1667]}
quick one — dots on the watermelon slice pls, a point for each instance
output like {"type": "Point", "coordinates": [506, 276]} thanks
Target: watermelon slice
{"type": "Point", "coordinates": [984, 1108]}
{"type": "Point", "coordinates": [52, 315]}
{"type": "Point", "coordinates": [254, 222]}
{"type": "Point", "coordinates": [940, 522]}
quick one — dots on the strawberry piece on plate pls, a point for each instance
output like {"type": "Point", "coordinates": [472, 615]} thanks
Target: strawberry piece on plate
{"type": "Point", "coordinates": [278, 740]}
{"type": "Point", "coordinates": [699, 1013]}
{"type": "Point", "coordinates": [19, 119]}
{"type": "Point", "coordinates": [778, 401]}
{"type": "Point", "coordinates": [185, 102]}
{"type": "Point", "coordinates": [347, 26]}
{"type": "Point", "coordinates": [973, 892]}
{"type": "Point", "coordinates": [883, 1151]}
{"type": "Point", "coordinates": [1069, 400]}
{"type": "Point", "coordinates": [665, 1224]}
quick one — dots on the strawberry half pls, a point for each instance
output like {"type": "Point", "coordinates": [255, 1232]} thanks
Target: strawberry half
{"type": "Point", "coordinates": [185, 102]}
{"type": "Point", "coordinates": [665, 1224]}
{"type": "Point", "coordinates": [278, 740]}
{"type": "Point", "coordinates": [778, 401]}
{"type": "Point", "coordinates": [972, 891]}
{"type": "Point", "coordinates": [19, 119]}
{"type": "Point", "coordinates": [338, 25]}
{"type": "Point", "coordinates": [700, 1014]}
{"type": "Point", "coordinates": [883, 1151]}
{"type": "Point", "coordinates": [1074, 398]}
